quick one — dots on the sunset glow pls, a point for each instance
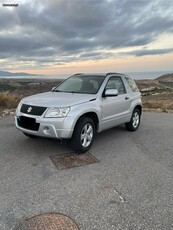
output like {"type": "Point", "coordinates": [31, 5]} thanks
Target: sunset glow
{"type": "Point", "coordinates": [65, 37]}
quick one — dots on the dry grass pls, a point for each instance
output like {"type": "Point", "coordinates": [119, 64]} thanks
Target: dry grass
{"type": "Point", "coordinates": [159, 101]}
{"type": "Point", "coordinates": [13, 90]}
{"type": "Point", "coordinates": [8, 100]}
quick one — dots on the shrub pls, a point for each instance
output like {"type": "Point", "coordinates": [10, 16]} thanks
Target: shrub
{"type": "Point", "coordinates": [154, 105]}
{"type": "Point", "coordinates": [8, 100]}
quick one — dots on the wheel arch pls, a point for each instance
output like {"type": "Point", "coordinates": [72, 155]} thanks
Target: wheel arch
{"type": "Point", "coordinates": [91, 115]}
{"type": "Point", "coordinates": [139, 107]}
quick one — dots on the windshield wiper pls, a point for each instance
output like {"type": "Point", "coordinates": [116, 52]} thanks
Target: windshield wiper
{"type": "Point", "coordinates": [65, 91]}
{"type": "Point", "coordinates": [58, 91]}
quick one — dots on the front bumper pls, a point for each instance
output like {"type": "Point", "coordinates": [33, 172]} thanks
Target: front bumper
{"type": "Point", "coordinates": [60, 128]}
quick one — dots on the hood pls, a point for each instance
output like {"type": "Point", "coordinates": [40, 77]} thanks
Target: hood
{"type": "Point", "coordinates": [58, 99]}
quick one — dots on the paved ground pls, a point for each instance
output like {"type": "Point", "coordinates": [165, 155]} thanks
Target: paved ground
{"type": "Point", "coordinates": [130, 188]}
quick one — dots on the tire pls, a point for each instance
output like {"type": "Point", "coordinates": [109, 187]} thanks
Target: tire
{"type": "Point", "coordinates": [29, 135]}
{"type": "Point", "coordinates": [134, 123]}
{"type": "Point", "coordinates": [83, 135]}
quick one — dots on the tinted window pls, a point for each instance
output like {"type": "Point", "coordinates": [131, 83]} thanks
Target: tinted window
{"type": "Point", "coordinates": [116, 83]}
{"type": "Point", "coordinates": [132, 84]}
{"type": "Point", "coordinates": [88, 84]}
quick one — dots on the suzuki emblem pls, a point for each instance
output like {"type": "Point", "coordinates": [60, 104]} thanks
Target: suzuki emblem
{"type": "Point", "coordinates": [29, 109]}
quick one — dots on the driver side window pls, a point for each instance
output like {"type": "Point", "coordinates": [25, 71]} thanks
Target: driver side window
{"type": "Point", "coordinates": [116, 83]}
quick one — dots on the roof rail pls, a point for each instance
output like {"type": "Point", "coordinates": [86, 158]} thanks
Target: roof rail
{"type": "Point", "coordinates": [110, 73]}
{"type": "Point", "coordinates": [78, 74]}
{"type": "Point", "coordinates": [113, 73]}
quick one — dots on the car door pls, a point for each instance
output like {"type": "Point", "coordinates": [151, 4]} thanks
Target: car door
{"type": "Point", "coordinates": [115, 109]}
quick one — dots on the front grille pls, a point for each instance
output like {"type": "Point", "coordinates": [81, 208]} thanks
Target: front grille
{"type": "Point", "coordinates": [33, 110]}
{"type": "Point", "coordinates": [28, 123]}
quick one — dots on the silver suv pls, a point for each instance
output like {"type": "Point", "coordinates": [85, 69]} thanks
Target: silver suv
{"type": "Point", "coordinates": [80, 107]}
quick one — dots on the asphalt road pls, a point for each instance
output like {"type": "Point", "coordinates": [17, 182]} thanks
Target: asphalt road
{"type": "Point", "coordinates": [131, 187]}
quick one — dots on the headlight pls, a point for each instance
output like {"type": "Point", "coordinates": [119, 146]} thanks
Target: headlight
{"type": "Point", "coordinates": [57, 112]}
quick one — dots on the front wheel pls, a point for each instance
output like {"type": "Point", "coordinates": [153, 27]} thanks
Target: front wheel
{"type": "Point", "coordinates": [134, 123]}
{"type": "Point", "coordinates": [83, 135]}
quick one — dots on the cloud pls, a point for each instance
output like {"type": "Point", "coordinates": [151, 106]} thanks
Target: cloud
{"type": "Point", "coordinates": [145, 52]}
{"type": "Point", "coordinates": [68, 31]}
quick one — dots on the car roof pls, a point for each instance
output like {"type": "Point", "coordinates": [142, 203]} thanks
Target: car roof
{"type": "Point", "coordinates": [100, 74]}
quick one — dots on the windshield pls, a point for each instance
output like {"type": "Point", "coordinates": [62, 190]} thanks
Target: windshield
{"type": "Point", "coordinates": [87, 84]}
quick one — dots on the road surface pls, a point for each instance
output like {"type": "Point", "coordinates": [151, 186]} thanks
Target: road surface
{"type": "Point", "coordinates": [131, 187]}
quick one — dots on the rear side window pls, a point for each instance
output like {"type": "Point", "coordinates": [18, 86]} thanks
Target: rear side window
{"type": "Point", "coordinates": [132, 84]}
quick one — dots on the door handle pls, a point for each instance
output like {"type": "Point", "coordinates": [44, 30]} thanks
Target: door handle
{"type": "Point", "coordinates": [126, 98]}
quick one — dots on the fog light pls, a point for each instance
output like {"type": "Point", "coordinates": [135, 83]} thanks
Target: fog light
{"type": "Point", "coordinates": [46, 130]}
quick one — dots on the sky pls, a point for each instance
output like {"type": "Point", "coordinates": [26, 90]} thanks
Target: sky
{"type": "Point", "coordinates": [71, 36]}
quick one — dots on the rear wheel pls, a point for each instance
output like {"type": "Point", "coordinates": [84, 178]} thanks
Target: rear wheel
{"type": "Point", "coordinates": [134, 123]}
{"type": "Point", "coordinates": [83, 135]}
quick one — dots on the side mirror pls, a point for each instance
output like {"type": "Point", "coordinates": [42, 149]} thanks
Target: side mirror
{"type": "Point", "coordinates": [53, 88]}
{"type": "Point", "coordinates": [111, 93]}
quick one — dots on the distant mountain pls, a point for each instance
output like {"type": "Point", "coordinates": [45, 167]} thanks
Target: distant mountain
{"type": "Point", "coordinates": [6, 73]}
{"type": "Point", "coordinates": [166, 77]}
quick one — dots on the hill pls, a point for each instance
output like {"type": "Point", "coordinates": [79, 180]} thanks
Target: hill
{"type": "Point", "coordinates": [162, 82]}
{"type": "Point", "coordinates": [6, 73]}
{"type": "Point", "coordinates": [158, 93]}
{"type": "Point", "coordinates": [165, 78]}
